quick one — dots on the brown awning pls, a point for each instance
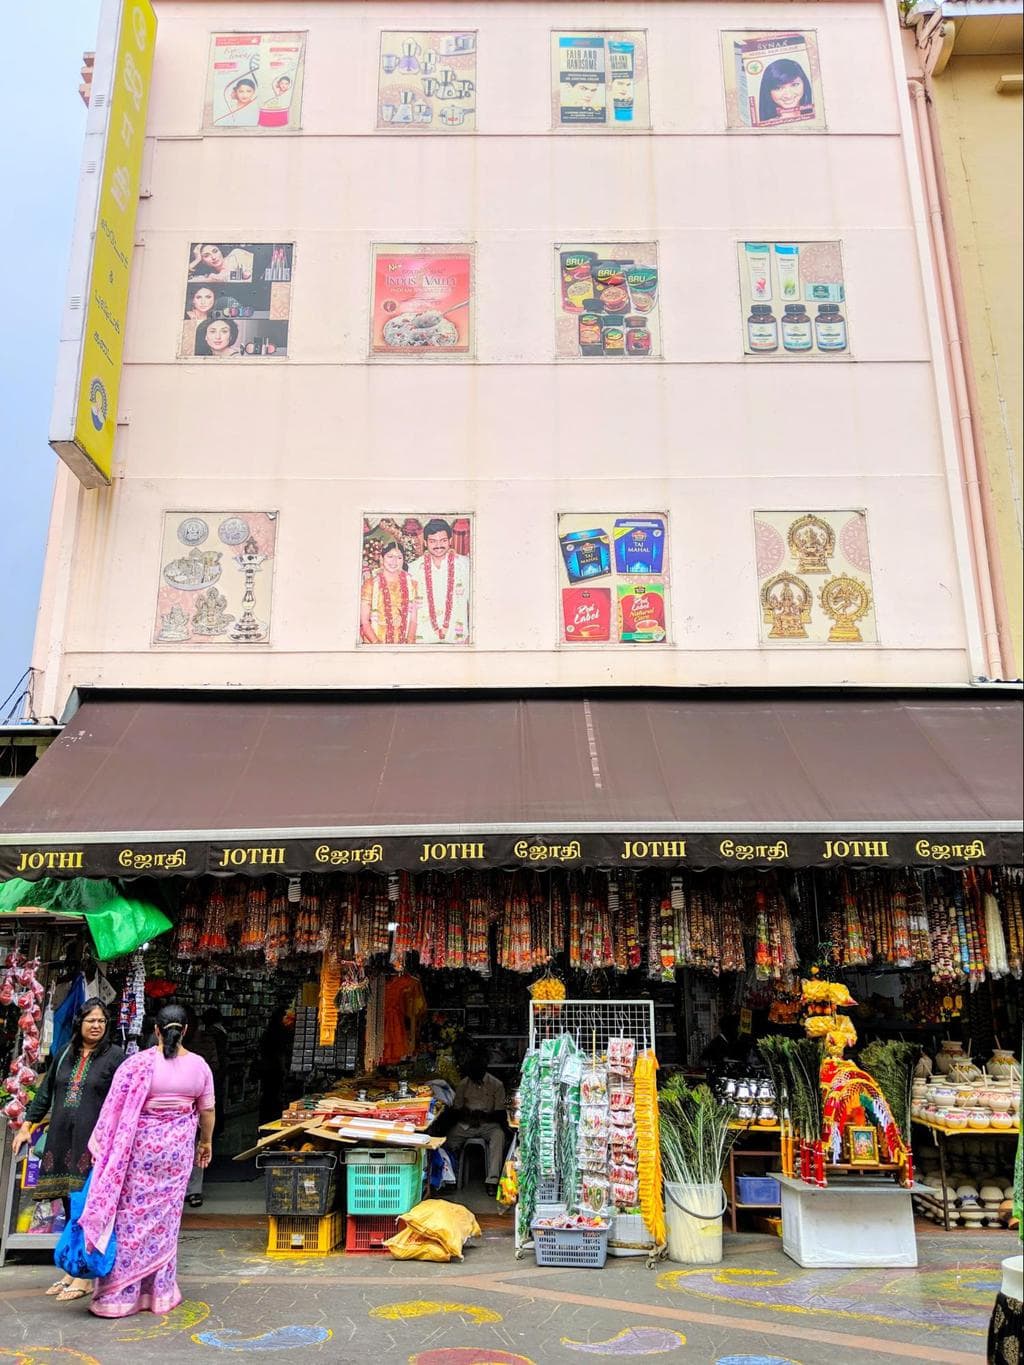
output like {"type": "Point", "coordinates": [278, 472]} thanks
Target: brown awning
{"type": "Point", "coordinates": [291, 784]}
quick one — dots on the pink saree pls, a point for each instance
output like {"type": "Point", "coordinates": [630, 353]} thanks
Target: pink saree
{"type": "Point", "coordinates": [142, 1159]}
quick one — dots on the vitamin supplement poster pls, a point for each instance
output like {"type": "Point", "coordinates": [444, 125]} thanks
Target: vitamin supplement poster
{"type": "Point", "coordinates": [422, 300]}
{"type": "Point", "coordinates": [237, 300]}
{"type": "Point", "coordinates": [793, 299]}
{"type": "Point", "coordinates": [426, 82]}
{"type": "Point", "coordinates": [599, 80]}
{"type": "Point", "coordinates": [416, 579]}
{"type": "Point", "coordinates": [772, 80]}
{"type": "Point", "coordinates": [613, 578]}
{"type": "Point", "coordinates": [216, 578]}
{"type": "Point", "coordinates": [254, 82]}
{"type": "Point", "coordinates": [607, 304]}
{"type": "Point", "coordinates": [814, 577]}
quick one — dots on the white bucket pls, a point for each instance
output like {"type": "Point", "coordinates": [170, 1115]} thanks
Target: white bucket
{"type": "Point", "coordinates": [693, 1218]}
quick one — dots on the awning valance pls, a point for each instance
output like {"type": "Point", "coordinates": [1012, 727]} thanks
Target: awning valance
{"type": "Point", "coordinates": [194, 784]}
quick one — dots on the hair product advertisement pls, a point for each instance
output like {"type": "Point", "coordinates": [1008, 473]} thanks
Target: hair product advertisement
{"type": "Point", "coordinates": [599, 80]}
{"type": "Point", "coordinates": [237, 300]}
{"type": "Point", "coordinates": [793, 300]}
{"type": "Point", "coordinates": [814, 578]}
{"type": "Point", "coordinates": [613, 578]}
{"type": "Point", "coordinates": [416, 578]}
{"type": "Point", "coordinates": [422, 301]}
{"type": "Point", "coordinates": [772, 80]}
{"type": "Point", "coordinates": [216, 578]}
{"type": "Point", "coordinates": [426, 82]}
{"type": "Point", "coordinates": [607, 301]}
{"type": "Point", "coordinates": [254, 82]}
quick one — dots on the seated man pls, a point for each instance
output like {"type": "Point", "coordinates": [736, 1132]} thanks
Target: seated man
{"type": "Point", "coordinates": [480, 1112]}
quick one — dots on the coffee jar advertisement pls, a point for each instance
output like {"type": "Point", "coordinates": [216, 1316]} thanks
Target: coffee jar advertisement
{"type": "Point", "coordinates": [607, 305]}
{"type": "Point", "coordinates": [613, 578]}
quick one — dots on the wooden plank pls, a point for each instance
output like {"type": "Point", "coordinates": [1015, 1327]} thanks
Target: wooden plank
{"type": "Point", "coordinates": [270, 1139]}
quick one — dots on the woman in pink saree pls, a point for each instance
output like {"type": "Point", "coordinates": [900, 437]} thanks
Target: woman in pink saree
{"type": "Point", "coordinates": [143, 1148]}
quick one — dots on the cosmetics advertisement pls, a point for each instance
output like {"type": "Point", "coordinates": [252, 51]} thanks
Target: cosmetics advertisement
{"type": "Point", "coordinates": [607, 301]}
{"type": "Point", "coordinates": [599, 80]}
{"type": "Point", "coordinates": [237, 300]}
{"type": "Point", "coordinates": [416, 578]}
{"type": "Point", "coordinates": [422, 300]}
{"type": "Point", "coordinates": [216, 578]}
{"type": "Point", "coordinates": [254, 82]}
{"type": "Point", "coordinates": [426, 82]}
{"type": "Point", "coordinates": [613, 578]}
{"type": "Point", "coordinates": [793, 300]}
{"type": "Point", "coordinates": [814, 578]}
{"type": "Point", "coordinates": [772, 81]}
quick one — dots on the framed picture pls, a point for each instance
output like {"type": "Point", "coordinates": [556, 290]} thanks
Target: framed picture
{"type": "Point", "coordinates": [862, 1146]}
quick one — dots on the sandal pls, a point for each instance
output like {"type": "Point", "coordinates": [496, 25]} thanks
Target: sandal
{"type": "Point", "coordinates": [58, 1286]}
{"type": "Point", "coordinates": [69, 1295]}
{"type": "Point", "coordinates": [195, 1201]}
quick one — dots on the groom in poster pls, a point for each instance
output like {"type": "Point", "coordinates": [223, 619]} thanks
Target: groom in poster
{"type": "Point", "coordinates": [442, 578]}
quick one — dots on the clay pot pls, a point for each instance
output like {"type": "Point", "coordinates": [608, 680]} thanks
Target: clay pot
{"type": "Point", "coordinates": [955, 1118]}
{"type": "Point", "coordinates": [1003, 1065]}
{"type": "Point", "coordinates": [977, 1118]}
{"type": "Point", "coordinates": [1000, 1119]}
{"type": "Point", "coordinates": [943, 1095]}
{"type": "Point", "coordinates": [948, 1054]}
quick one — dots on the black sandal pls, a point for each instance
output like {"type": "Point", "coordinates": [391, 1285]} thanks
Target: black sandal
{"type": "Point", "coordinates": [195, 1201]}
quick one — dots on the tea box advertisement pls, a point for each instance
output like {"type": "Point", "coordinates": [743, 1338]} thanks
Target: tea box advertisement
{"type": "Point", "coordinates": [237, 300]}
{"type": "Point", "coordinates": [426, 82]}
{"type": "Point", "coordinates": [613, 578]}
{"type": "Point", "coordinates": [422, 300]}
{"type": "Point", "coordinates": [416, 578]}
{"type": "Point", "coordinates": [772, 81]}
{"type": "Point", "coordinates": [607, 301]}
{"type": "Point", "coordinates": [814, 578]}
{"type": "Point", "coordinates": [793, 300]}
{"type": "Point", "coordinates": [216, 578]}
{"type": "Point", "coordinates": [254, 82]}
{"type": "Point", "coordinates": [599, 80]}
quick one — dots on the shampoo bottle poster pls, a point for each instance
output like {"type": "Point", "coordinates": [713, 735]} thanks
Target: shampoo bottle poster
{"type": "Point", "coordinates": [613, 578]}
{"type": "Point", "coordinates": [422, 300]}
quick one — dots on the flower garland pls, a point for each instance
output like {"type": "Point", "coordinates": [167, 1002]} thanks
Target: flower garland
{"type": "Point", "coordinates": [428, 575]}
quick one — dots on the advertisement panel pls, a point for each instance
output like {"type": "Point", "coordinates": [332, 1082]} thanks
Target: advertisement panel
{"type": "Point", "coordinates": [422, 300]}
{"type": "Point", "coordinates": [793, 300]}
{"type": "Point", "coordinates": [772, 81]}
{"type": "Point", "coordinates": [237, 300]}
{"type": "Point", "coordinates": [599, 80]}
{"type": "Point", "coordinates": [216, 578]}
{"type": "Point", "coordinates": [416, 583]}
{"type": "Point", "coordinates": [607, 301]}
{"type": "Point", "coordinates": [814, 578]}
{"type": "Point", "coordinates": [426, 82]}
{"type": "Point", "coordinates": [254, 82]}
{"type": "Point", "coordinates": [613, 578]}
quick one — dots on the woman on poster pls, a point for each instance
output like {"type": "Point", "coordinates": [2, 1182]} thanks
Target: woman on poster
{"type": "Point", "coordinates": [784, 93]}
{"type": "Point", "coordinates": [217, 337]}
{"type": "Point", "coordinates": [388, 601]}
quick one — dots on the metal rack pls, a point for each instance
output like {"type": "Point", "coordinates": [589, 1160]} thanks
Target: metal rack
{"type": "Point", "coordinates": [593, 1022]}
{"type": "Point", "coordinates": [10, 1238]}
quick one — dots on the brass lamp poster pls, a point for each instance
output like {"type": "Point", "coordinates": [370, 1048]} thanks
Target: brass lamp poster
{"type": "Point", "coordinates": [216, 578]}
{"type": "Point", "coordinates": [613, 578]}
{"type": "Point", "coordinates": [254, 82]}
{"type": "Point", "coordinates": [599, 80]}
{"type": "Point", "coordinates": [772, 81]}
{"type": "Point", "coordinates": [814, 578]}
{"type": "Point", "coordinates": [793, 300]}
{"type": "Point", "coordinates": [607, 303]}
{"type": "Point", "coordinates": [237, 300]}
{"type": "Point", "coordinates": [426, 82]}
{"type": "Point", "coordinates": [416, 578]}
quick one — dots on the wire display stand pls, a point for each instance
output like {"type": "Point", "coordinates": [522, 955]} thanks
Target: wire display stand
{"type": "Point", "coordinates": [593, 1022]}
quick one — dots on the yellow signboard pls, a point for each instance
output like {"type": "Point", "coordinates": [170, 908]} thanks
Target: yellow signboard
{"type": "Point", "coordinates": [106, 302]}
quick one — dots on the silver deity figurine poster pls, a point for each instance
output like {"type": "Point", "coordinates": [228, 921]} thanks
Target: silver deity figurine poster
{"type": "Point", "coordinates": [216, 578]}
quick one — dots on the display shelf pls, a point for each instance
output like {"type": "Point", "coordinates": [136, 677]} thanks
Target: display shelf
{"type": "Point", "coordinates": [968, 1132]}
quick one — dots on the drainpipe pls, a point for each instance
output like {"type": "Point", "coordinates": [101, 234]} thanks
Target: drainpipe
{"type": "Point", "coordinates": [994, 630]}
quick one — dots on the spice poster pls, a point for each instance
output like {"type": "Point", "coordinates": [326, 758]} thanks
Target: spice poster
{"type": "Point", "coordinates": [599, 80]}
{"type": "Point", "coordinates": [422, 300]}
{"type": "Point", "coordinates": [814, 577]}
{"type": "Point", "coordinates": [216, 578]}
{"type": "Point", "coordinates": [426, 82]}
{"type": "Point", "coordinates": [772, 80]}
{"type": "Point", "coordinates": [613, 578]}
{"type": "Point", "coordinates": [237, 300]}
{"type": "Point", "coordinates": [793, 299]}
{"type": "Point", "coordinates": [607, 303]}
{"type": "Point", "coordinates": [254, 82]}
{"type": "Point", "coordinates": [416, 579]}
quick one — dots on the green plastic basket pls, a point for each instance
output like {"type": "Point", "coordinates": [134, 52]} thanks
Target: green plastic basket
{"type": "Point", "coordinates": [383, 1180]}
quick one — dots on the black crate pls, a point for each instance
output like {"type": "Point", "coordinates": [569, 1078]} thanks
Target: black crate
{"type": "Point", "coordinates": [303, 1183]}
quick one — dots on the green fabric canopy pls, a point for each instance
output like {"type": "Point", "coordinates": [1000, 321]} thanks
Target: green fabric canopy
{"type": "Point", "coordinates": [118, 925]}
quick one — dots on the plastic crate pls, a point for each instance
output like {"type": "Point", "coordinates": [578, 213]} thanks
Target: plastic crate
{"type": "Point", "coordinates": [549, 1189]}
{"type": "Point", "coordinates": [296, 1236]}
{"type": "Point", "coordinates": [583, 1247]}
{"type": "Point", "coordinates": [758, 1189]}
{"type": "Point", "coordinates": [383, 1180]}
{"type": "Point", "coordinates": [628, 1236]}
{"type": "Point", "coordinates": [303, 1183]}
{"type": "Point", "coordinates": [365, 1234]}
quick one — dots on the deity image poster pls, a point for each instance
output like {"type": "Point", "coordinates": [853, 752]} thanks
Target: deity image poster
{"type": "Point", "coordinates": [607, 304]}
{"type": "Point", "coordinates": [254, 82]}
{"type": "Point", "coordinates": [426, 82]}
{"type": "Point", "coordinates": [793, 300]}
{"type": "Point", "coordinates": [773, 81]}
{"type": "Point", "coordinates": [422, 301]}
{"type": "Point", "coordinates": [613, 576]}
{"type": "Point", "coordinates": [216, 578]}
{"type": "Point", "coordinates": [417, 582]}
{"type": "Point", "coordinates": [814, 578]}
{"type": "Point", "coordinates": [238, 299]}
{"type": "Point", "coordinates": [599, 80]}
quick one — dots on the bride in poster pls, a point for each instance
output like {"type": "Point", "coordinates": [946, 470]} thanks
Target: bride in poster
{"type": "Point", "coordinates": [389, 601]}
{"type": "Point", "coordinates": [442, 581]}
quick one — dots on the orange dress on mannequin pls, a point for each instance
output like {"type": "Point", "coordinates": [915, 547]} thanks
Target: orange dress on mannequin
{"type": "Point", "coordinates": [404, 1008]}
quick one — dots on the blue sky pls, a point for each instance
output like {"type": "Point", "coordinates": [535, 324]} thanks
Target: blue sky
{"type": "Point", "coordinates": [41, 155]}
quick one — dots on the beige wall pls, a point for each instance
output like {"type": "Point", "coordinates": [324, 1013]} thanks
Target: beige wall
{"type": "Point", "coordinates": [513, 436]}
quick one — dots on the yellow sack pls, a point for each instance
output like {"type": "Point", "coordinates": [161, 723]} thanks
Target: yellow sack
{"type": "Point", "coordinates": [434, 1230]}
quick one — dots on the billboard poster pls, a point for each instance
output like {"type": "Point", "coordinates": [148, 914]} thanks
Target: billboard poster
{"type": "Point", "coordinates": [793, 300]}
{"type": "Point", "coordinates": [216, 578]}
{"type": "Point", "coordinates": [237, 300]}
{"type": "Point", "coordinates": [814, 578]}
{"type": "Point", "coordinates": [416, 579]}
{"type": "Point", "coordinates": [422, 300]}
{"type": "Point", "coordinates": [607, 301]}
{"type": "Point", "coordinates": [599, 80]}
{"type": "Point", "coordinates": [613, 576]}
{"type": "Point", "coordinates": [254, 82]}
{"type": "Point", "coordinates": [426, 82]}
{"type": "Point", "coordinates": [772, 81]}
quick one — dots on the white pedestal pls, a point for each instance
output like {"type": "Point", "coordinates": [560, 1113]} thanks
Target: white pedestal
{"type": "Point", "coordinates": [848, 1224]}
